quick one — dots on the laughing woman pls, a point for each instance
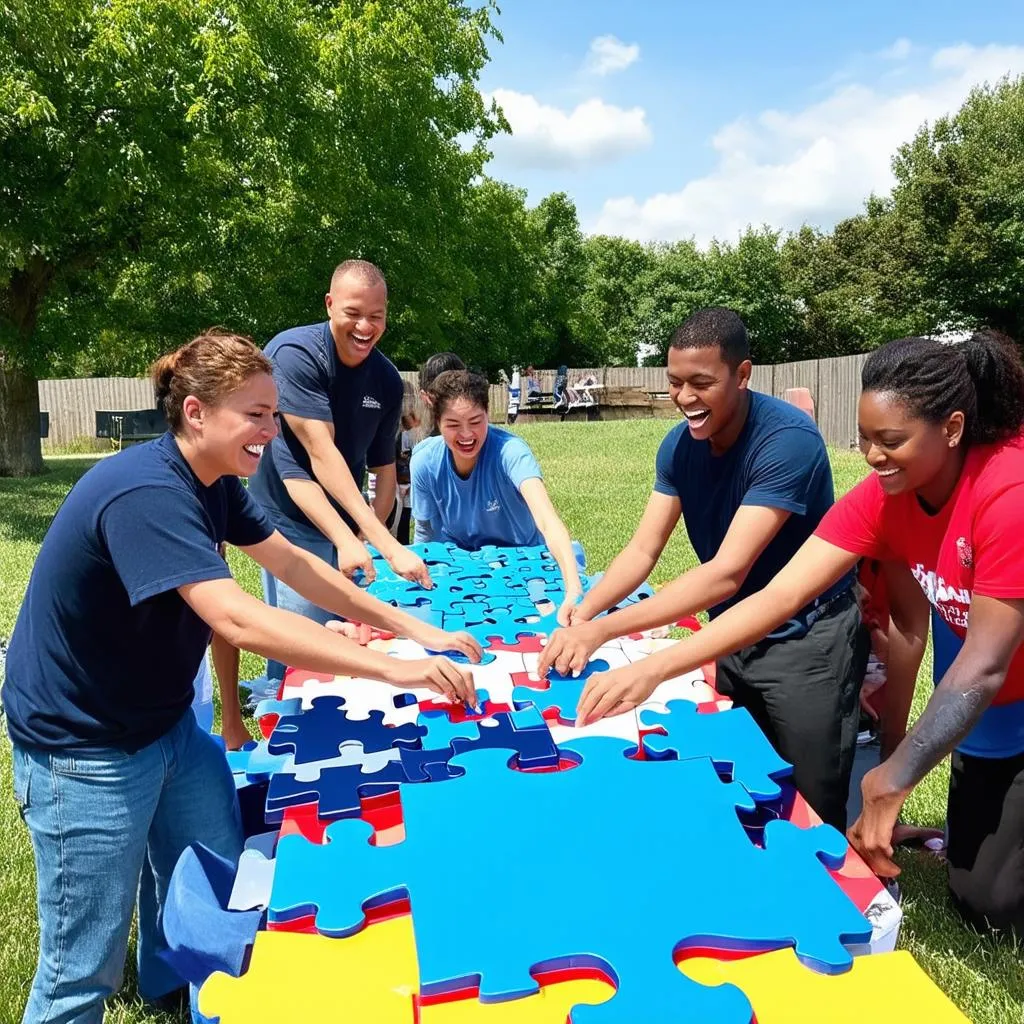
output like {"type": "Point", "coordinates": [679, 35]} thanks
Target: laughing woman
{"type": "Point", "coordinates": [111, 769]}
{"type": "Point", "coordinates": [941, 428]}
{"type": "Point", "coordinates": [476, 484]}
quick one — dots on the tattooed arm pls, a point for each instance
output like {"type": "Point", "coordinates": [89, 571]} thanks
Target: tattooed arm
{"type": "Point", "coordinates": [967, 689]}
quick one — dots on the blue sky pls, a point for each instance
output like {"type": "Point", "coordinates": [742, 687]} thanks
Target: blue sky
{"type": "Point", "coordinates": [671, 120]}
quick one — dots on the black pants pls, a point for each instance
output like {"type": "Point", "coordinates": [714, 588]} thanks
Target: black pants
{"type": "Point", "coordinates": [803, 693]}
{"type": "Point", "coordinates": [986, 840]}
{"type": "Point", "coordinates": [404, 525]}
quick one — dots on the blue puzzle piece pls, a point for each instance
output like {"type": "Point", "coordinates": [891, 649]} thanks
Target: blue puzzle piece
{"type": "Point", "coordinates": [317, 734]}
{"type": "Point", "coordinates": [270, 706]}
{"type": "Point", "coordinates": [524, 732]}
{"type": "Point", "coordinates": [508, 629]}
{"type": "Point", "coordinates": [238, 760]}
{"type": "Point", "coordinates": [337, 791]}
{"type": "Point", "coordinates": [563, 692]}
{"type": "Point", "coordinates": [731, 739]}
{"type": "Point", "coordinates": [609, 810]}
{"type": "Point", "coordinates": [262, 764]}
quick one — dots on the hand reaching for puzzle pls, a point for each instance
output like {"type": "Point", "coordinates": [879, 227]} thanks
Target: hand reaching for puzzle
{"type": "Point", "coordinates": [410, 566]}
{"type": "Point", "coordinates": [614, 693]}
{"type": "Point", "coordinates": [434, 639]}
{"type": "Point", "coordinates": [568, 650]}
{"type": "Point", "coordinates": [437, 674]}
{"type": "Point", "coordinates": [353, 557]}
{"type": "Point", "coordinates": [568, 607]}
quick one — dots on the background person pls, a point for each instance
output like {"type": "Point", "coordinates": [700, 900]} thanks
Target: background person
{"type": "Point", "coordinates": [475, 484]}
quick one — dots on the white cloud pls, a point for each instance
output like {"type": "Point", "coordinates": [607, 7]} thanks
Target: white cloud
{"type": "Point", "coordinates": [548, 137]}
{"type": "Point", "coordinates": [900, 50]}
{"type": "Point", "coordinates": [607, 54]}
{"type": "Point", "coordinates": [815, 165]}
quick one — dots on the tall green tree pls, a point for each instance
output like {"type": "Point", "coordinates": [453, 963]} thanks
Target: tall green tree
{"type": "Point", "coordinates": [173, 163]}
{"type": "Point", "coordinates": [610, 303]}
{"type": "Point", "coordinates": [960, 183]}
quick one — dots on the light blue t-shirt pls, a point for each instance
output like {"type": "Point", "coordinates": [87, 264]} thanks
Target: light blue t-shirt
{"type": "Point", "coordinates": [486, 508]}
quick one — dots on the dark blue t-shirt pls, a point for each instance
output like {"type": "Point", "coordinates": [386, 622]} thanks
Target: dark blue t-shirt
{"type": "Point", "coordinates": [778, 461]}
{"type": "Point", "coordinates": [364, 403]}
{"type": "Point", "coordinates": [105, 649]}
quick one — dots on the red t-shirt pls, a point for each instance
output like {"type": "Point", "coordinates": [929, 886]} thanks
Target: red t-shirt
{"type": "Point", "coordinates": [974, 545]}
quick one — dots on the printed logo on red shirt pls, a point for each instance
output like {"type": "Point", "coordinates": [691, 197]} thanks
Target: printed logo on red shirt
{"type": "Point", "coordinates": [966, 555]}
{"type": "Point", "coordinates": [952, 603]}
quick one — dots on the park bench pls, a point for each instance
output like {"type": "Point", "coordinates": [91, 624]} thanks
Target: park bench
{"type": "Point", "coordinates": [129, 426]}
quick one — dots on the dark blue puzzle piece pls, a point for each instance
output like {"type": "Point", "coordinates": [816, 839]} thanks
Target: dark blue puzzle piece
{"type": "Point", "coordinates": [607, 811]}
{"type": "Point", "coordinates": [563, 692]}
{"type": "Point", "coordinates": [338, 790]}
{"type": "Point", "coordinates": [731, 739]}
{"type": "Point", "coordinates": [317, 734]}
{"type": "Point", "coordinates": [524, 732]}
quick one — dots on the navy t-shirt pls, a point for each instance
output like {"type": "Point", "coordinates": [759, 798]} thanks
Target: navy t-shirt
{"type": "Point", "coordinates": [778, 461]}
{"type": "Point", "coordinates": [105, 650]}
{"type": "Point", "coordinates": [364, 403]}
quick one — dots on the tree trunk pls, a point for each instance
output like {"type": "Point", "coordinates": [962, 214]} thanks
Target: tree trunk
{"type": "Point", "coordinates": [20, 301]}
{"type": "Point", "coordinates": [20, 450]}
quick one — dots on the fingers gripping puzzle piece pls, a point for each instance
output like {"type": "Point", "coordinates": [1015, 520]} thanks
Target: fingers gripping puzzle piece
{"type": "Point", "coordinates": [561, 694]}
{"type": "Point", "coordinates": [779, 896]}
{"type": "Point", "coordinates": [730, 738]}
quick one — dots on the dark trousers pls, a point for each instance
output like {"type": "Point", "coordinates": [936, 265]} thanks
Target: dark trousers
{"type": "Point", "coordinates": [804, 694]}
{"type": "Point", "coordinates": [986, 840]}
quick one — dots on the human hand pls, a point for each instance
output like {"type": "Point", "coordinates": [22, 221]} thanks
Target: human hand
{"type": "Point", "coordinates": [410, 566]}
{"type": "Point", "coordinates": [569, 606]}
{"type": "Point", "coordinates": [437, 674]}
{"type": "Point", "coordinates": [871, 835]}
{"type": "Point", "coordinates": [354, 557]}
{"type": "Point", "coordinates": [568, 650]}
{"type": "Point", "coordinates": [614, 693]}
{"type": "Point", "coordinates": [438, 640]}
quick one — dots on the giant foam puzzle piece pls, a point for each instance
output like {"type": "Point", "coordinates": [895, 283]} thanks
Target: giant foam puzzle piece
{"type": "Point", "coordinates": [557, 692]}
{"type": "Point", "coordinates": [551, 1005]}
{"type": "Point", "coordinates": [730, 738]}
{"type": "Point", "coordinates": [524, 732]}
{"type": "Point", "coordinates": [674, 811]}
{"type": "Point", "coordinates": [317, 734]}
{"type": "Point", "coordinates": [783, 991]}
{"type": "Point", "coordinates": [370, 977]}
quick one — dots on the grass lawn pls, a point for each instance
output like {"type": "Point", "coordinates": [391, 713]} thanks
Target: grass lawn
{"type": "Point", "coordinates": [599, 475]}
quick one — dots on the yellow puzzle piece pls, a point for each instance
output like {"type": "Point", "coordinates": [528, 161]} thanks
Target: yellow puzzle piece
{"type": "Point", "coordinates": [371, 976]}
{"type": "Point", "coordinates": [887, 988]}
{"type": "Point", "coordinates": [551, 1005]}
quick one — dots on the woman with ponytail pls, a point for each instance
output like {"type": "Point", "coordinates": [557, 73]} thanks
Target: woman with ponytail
{"type": "Point", "coordinates": [941, 429]}
{"type": "Point", "coordinates": [111, 770]}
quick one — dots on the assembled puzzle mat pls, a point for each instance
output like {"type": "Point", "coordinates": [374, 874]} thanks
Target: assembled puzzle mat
{"type": "Point", "coordinates": [423, 861]}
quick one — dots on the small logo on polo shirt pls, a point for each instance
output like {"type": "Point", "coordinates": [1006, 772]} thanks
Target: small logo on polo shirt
{"type": "Point", "coordinates": [369, 402]}
{"type": "Point", "coordinates": [963, 549]}
{"type": "Point", "coordinates": [493, 505]}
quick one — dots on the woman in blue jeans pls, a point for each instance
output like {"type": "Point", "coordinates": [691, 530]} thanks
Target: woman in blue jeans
{"type": "Point", "coordinates": [111, 770]}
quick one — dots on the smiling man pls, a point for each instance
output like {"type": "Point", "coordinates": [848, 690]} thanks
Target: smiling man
{"type": "Point", "coordinates": [340, 400]}
{"type": "Point", "coordinates": [750, 477]}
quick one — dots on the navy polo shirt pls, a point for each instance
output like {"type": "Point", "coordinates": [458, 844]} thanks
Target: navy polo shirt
{"type": "Point", "coordinates": [105, 650]}
{"type": "Point", "coordinates": [363, 402]}
{"type": "Point", "coordinates": [778, 461]}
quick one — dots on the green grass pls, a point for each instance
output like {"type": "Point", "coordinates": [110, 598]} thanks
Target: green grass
{"type": "Point", "coordinates": [599, 475]}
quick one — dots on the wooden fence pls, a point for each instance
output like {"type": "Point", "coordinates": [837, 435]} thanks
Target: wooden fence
{"type": "Point", "coordinates": [834, 385]}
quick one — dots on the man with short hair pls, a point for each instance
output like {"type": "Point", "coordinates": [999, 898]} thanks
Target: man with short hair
{"type": "Point", "coordinates": [340, 400]}
{"type": "Point", "coordinates": [750, 477]}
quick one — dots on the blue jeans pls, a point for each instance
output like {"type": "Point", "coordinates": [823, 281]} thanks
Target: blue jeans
{"type": "Point", "coordinates": [95, 818]}
{"type": "Point", "coordinates": [280, 595]}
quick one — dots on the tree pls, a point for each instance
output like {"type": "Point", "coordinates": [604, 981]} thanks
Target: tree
{"type": "Point", "coordinates": [609, 305]}
{"type": "Point", "coordinates": [748, 277]}
{"type": "Point", "coordinates": [961, 183]}
{"type": "Point", "coordinates": [556, 335]}
{"type": "Point", "coordinates": [174, 163]}
{"type": "Point", "coordinates": [674, 284]}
